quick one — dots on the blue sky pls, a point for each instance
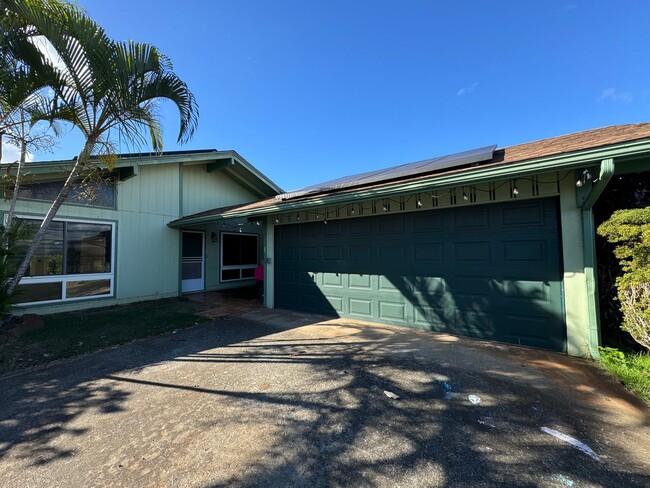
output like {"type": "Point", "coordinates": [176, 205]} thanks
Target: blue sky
{"type": "Point", "coordinates": [308, 91]}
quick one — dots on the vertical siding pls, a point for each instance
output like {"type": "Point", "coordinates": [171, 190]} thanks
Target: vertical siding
{"type": "Point", "coordinates": [204, 191]}
{"type": "Point", "coordinates": [147, 251]}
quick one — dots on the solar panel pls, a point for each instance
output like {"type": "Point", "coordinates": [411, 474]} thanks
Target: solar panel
{"type": "Point", "coordinates": [396, 172]}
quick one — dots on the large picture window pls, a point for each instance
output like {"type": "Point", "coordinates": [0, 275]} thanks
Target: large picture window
{"type": "Point", "coordinates": [238, 256]}
{"type": "Point", "coordinates": [73, 261]}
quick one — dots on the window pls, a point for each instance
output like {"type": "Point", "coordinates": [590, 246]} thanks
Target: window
{"type": "Point", "coordinates": [93, 193]}
{"type": "Point", "coordinates": [73, 261]}
{"type": "Point", "coordinates": [238, 256]}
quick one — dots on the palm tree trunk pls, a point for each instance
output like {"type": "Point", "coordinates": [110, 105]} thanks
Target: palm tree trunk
{"type": "Point", "coordinates": [21, 162]}
{"type": "Point", "coordinates": [56, 204]}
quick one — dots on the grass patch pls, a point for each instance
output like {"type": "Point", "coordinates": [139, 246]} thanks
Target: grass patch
{"type": "Point", "coordinates": [631, 369]}
{"type": "Point", "coordinates": [73, 333]}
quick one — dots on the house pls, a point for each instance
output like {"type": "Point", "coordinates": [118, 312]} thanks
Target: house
{"type": "Point", "coordinates": [110, 243]}
{"type": "Point", "coordinates": [495, 243]}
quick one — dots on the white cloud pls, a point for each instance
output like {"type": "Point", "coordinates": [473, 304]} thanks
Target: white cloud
{"type": "Point", "coordinates": [11, 154]}
{"type": "Point", "coordinates": [467, 89]}
{"type": "Point", "coordinates": [615, 96]}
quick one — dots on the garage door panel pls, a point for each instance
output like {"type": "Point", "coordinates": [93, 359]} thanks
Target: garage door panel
{"type": "Point", "coordinates": [525, 215]}
{"type": "Point", "coordinates": [360, 227]}
{"type": "Point", "coordinates": [361, 307]}
{"type": "Point", "coordinates": [288, 254]}
{"type": "Point", "coordinates": [526, 290]}
{"type": "Point", "coordinates": [528, 330]}
{"type": "Point", "coordinates": [470, 219]}
{"type": "Point", "coordinates": [473, 323]}
{"type": "Point", "coordinates": [308, 254]}
{"type": "Point", "coordinates": [306, 278]}
{"type": "Point", "coordinates": [427, 222]}
{"type": "Point", "coordinates": [332, 280]}
{"type": "Point", "coordinates": [518, 252]}
{"type": "Point", "coordinates": [308, 231]}
{"type": "Point", "coordinates": [389, 284]}
{"type": "Point", "coordinates": [333, 228]}
{"type": "Point", "coordinates": [491, 271]}
{"type": "Point", "coordinates": [472, 252]}
{"type": "Point", "coordinates": [471, 286]}
{"type": "Point", "coordinates": [430, 318]}
{"type": "Point", "coordinates": [287, 278]}
{"type": "Point", "coordinates": [360, 253]}
{"type": "Point", "coordinates": [428, 251]}
{"type": "Point", "coordinates": [428, 286]}
{"type": "Point", "coordinates": [390, 312]}
{"type": "Point", "coordinates": [335, 303]}
{"type": "Point", "coordinates": [393, 224]}
{"type": "Point", "coordinates": [391, 252]}
{"type": "Point", "coordinates": [333, 253]}
{"type": "Point", "coordinates": [360, 282]}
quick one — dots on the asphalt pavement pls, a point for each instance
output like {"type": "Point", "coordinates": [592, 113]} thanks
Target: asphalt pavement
{"type": "Point", "coordinates": [280, 399]}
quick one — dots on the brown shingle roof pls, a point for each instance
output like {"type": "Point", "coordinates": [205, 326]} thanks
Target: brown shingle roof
{"type": "Point", "coordinates": [590, 139]}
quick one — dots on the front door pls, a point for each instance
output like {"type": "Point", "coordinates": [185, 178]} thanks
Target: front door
{"type": "Point", "coordinates": [192, 266]}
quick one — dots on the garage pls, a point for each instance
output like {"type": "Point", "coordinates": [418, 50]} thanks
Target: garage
{"type": "Point", "coordinates": [490, 271]}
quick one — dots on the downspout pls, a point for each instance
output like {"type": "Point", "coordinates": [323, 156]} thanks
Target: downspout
{"type": "Point", "coordinates": [586, 200]}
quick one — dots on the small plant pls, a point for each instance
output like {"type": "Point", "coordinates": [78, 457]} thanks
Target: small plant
{"type": "Point", "coordinates": [629, 230]}
{"type": "Point", "coordinates": [612, 355]}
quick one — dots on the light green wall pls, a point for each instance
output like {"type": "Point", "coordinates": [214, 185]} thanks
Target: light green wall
{"type": "Point", "coordinates": [575, 284]}
{"type": "Point", "coordinates": [147, 250]}
{"type": "Point", "coordinates": [204, 191]}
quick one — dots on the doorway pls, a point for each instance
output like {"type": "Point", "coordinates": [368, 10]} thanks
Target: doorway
{"type": "Point", "coordinates": [192, 261]}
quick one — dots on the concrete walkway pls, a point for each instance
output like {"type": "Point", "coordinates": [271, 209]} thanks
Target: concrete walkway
{"type": "Point", "coordinates": [282, 399]}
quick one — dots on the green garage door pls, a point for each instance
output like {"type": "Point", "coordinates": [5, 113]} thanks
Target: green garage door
{"type": "Point", "coordinates": [489, 271]}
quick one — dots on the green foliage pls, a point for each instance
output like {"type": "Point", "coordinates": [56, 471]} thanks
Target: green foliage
{"type": "Point", "coordinates": [612, 355]}
{"type": "Point", "coordinates": [11, 249]}
{"type": "Point", "coordinates": [629, 230]}
{"type": "Point", "coordinates": [633, 370]}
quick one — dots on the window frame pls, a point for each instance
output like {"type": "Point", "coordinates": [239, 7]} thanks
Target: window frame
{"type": "Point", "coordinates": [65, 278]}
{"type": "Point", "coordinates": [114, 180]}
{"type": "Point", "coordinates": [239, 267]}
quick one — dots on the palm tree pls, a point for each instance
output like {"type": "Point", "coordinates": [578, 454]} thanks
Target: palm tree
{"type": "Point", "coordinates": [103, 88]}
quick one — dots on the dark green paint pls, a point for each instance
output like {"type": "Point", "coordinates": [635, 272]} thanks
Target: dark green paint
{"type": "Point", "coordinates": [489, 271]}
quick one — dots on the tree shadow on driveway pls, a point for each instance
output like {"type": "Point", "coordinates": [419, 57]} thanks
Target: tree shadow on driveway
{"type": "Point", "coordinates": [257, 405]}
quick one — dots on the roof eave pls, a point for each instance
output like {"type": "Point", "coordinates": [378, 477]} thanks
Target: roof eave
{"type": "Point", "coordinates": [473, 175]}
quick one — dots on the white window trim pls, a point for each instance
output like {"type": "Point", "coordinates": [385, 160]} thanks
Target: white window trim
{"type": "Point", "coordinates": [238, 266]}
{"type": "Point", "coordinates": [64, 279]}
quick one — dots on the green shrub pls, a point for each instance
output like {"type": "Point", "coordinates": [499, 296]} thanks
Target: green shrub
{"type": "Point", "coordinates": [629, 230]}
{"type": "Point", "coordinates": [11, 250]}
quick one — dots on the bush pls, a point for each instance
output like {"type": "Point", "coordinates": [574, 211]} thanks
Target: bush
{"type": "Point", "coordinates": [629, 230]}
{"type": "Point", "coordinates": [635, 304]}
{"type": "Point", "coordinates": [11, 251]}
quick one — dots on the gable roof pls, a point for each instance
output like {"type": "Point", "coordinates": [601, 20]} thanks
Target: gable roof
{"type": "Point", "coordinates": [544, 154]}
{"type": "Point", "coordinates": [231, 162]}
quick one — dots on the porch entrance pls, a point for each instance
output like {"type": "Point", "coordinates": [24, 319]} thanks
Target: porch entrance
{"type": "Point", "coordinates": [193, 261]}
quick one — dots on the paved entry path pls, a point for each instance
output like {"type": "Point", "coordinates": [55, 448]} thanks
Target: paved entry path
{"type": "Point", "coordinates": [278, 399]}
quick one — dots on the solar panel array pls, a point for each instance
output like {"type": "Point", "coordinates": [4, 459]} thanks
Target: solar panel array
{"type": "Point", "coordinates": [396, 172]}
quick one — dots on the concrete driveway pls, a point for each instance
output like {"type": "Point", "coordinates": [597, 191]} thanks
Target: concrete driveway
{"type": "Point", "coordinates": [280, 399]}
